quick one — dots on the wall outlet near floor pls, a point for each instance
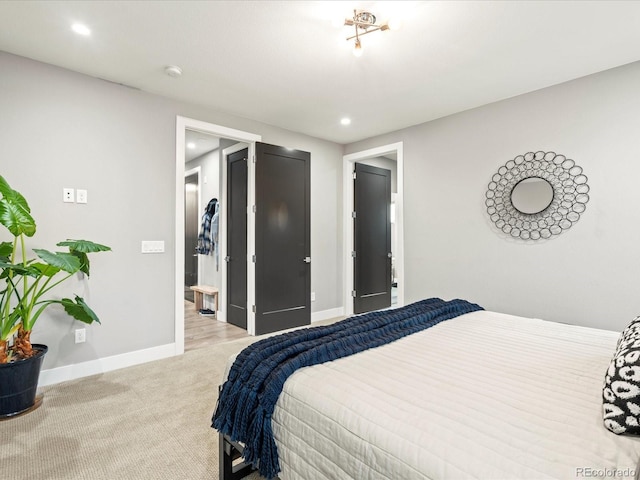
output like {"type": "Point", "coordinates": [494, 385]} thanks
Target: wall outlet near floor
{"type": "Point", "coordinates": [81, 335]}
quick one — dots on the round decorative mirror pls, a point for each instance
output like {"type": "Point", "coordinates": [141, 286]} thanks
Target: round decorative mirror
{"type": "Point", "coordinates": [537, 195]}
{"type": "Point", "coordinates": [532, 195]}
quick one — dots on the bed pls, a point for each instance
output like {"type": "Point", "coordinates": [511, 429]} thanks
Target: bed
{"type": "Point", "coordinates": [483, 395]}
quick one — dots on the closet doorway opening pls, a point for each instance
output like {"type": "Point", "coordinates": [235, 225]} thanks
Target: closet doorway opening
{"type": "Point", "coordinates": [388, 157]}
{"type": "Point", "coordinates": [201, 150]}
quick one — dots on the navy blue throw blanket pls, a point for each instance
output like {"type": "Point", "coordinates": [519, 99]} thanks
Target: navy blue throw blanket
{"type": "Point", "coordinates": [256, 378]}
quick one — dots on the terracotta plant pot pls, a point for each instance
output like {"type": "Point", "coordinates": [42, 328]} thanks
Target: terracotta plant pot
{"type": "Point", "coordinates": [19, 382]}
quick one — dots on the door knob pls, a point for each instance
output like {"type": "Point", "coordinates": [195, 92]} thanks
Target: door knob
{"type": "Point", "coordinates": [389, 255]}
{"type": "Point", "coordinates": [306, 259]}
{"type": "Point", "coordinates": [227, 259]}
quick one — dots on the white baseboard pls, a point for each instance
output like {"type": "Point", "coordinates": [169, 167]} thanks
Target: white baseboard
{"type": "Point", "coordinates": [102, 365]}
{"type": "Point", "coordinates": [327, 314]}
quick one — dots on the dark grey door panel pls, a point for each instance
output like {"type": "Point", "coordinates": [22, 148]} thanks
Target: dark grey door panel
{"type": "Point", "coordinates": [372, 238]}
{"type": "Point", "coordinates": [237, 238]}
{"type": "Point", "coordinates": [283, 238]}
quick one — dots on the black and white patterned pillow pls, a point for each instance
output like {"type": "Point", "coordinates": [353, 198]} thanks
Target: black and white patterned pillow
{"type": "Point", "coordinates": [621, 393]}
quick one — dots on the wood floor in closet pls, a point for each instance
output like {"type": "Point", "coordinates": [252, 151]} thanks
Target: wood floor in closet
{"type": "Point", "coordinates": [202, 331]}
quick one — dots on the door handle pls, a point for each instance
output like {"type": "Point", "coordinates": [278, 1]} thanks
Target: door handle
{"type": "Point", "coordinates": [389, 255]}
{"type": "Point", "coordinates": [306, 259]}
{"type": "Point", "coordinates": [227, 259]}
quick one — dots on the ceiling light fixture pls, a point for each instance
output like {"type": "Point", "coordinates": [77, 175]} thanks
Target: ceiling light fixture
{"type": "Point", "coordinates": [363, 23]}
{"type": "Point", "coordinates": [191, 145]}
{"type": "Point", "coordinates": [345, 121]}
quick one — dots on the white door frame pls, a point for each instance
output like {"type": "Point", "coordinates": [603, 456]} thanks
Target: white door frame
{"type": "Point", "coordinates": [183, 124]}
{"type": "Point", "coordinates": [347, 228]}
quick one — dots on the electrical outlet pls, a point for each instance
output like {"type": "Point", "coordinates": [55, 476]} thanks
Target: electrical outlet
{"type": "Point", "coordinates": [68, 195]}
{"type": "Point", "coordinates": [81, 335]}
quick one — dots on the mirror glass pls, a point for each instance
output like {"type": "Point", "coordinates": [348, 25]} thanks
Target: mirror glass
{"type": "Point", "coordinates": [532, 195]}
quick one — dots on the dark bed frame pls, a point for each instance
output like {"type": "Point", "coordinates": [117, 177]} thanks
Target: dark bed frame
{"type": "Point", "coordinates": [230, 452]}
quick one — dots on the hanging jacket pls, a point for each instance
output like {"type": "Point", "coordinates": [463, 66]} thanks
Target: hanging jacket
{"type": "Point", "coordinates": [204, 237]}
{"type": "Point", "coordinates": [214, 232]}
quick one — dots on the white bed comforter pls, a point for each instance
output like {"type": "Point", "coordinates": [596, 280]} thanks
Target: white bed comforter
{"type": "Point", "coordinates": [485, 395]}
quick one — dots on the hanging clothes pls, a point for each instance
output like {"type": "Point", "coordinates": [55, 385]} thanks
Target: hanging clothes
{"type": "Point", "coordinates": [214, 232]}
{"type": "Point", "coordinates": [205, 239]}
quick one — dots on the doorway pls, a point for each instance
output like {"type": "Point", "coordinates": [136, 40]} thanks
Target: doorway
{"type": "Point", "coordinates": [372, 252]}
{"type": "Point", "coordinates": [389, 157]}
{"type": "Point", "coordinates": [183, 127]}
{"type": "Point", "coordinates": [274, 163]}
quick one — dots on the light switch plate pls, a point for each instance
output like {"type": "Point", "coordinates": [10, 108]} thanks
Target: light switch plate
{"type": "Point", "coordinates": [81, 196]}
{"type": "Point", "coordinates": [152, 246]}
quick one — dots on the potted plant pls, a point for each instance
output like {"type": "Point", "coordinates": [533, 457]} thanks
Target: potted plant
{"type": "Point", "coordinates": [25, 286]}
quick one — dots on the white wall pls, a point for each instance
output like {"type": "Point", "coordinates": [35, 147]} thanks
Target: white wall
{"type": "Point", "coordinates": [63, 129]}
{"type": "Point", "coordinates": [587, 275]}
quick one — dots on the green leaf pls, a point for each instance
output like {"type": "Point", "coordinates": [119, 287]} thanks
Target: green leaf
{"type": "Point", "coordinates": [12, 195]}
{"type": "Point", "coordinates": [44, 269]}
{"type": "Point", "coordinates": [9, 325]}
{"type": "Point", "coordinates": [16, 219]}
{"type": "Point", "coordinates": [84, 246]}
{"type": "Point", "coordinates": [84, 261]}
{"type": "Point", "coordinates": [79, 310]}
{"type": "Point", "coordinates": [80, 248]}
{"type": "Point", "coordinates": [6, 249]}
{"type": "Point", "coordinates": [64, 261]}
{"type": "Point", "coordinates": [17, 269]}
{"type": "Point", "coordinates": [15, 213]}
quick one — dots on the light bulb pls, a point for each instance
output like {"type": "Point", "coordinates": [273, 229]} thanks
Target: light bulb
{"type": "Point", "coordinates": [357, 49]}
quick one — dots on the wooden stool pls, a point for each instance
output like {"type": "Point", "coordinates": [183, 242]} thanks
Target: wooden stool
{"type": "Point", "coordinates": [200, 290]}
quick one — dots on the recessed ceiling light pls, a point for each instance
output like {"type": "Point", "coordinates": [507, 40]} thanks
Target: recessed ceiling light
{"type": "Point", "coordinates": [191, 145]}
{"type": "Point", "coordinates": [345, 121]}
{"type": "Point", "coordinates": [81, 29]}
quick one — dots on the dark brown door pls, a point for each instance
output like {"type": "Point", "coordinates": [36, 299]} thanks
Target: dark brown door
{"type": "Point", "coordinates": [191, 228]}
{"type": "Point", "coordinates": [237, 238]}
{"type": "Point", "coordinates": [283, 240]}
{"type": "Point", "coordinates": [372, 238]}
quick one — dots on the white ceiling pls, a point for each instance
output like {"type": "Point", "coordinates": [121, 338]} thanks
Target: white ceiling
{"type": "Point", "coordinates": [198, 143]}
{"type": "Point", "coordinates": [285, 64]}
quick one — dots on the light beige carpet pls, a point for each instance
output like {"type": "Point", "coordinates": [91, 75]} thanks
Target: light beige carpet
{"type": "Point", "coordinates": [148, 422]}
